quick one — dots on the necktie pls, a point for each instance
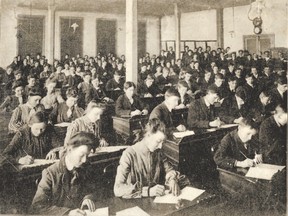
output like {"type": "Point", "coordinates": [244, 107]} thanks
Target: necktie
{"type": "Point", "coordinates": [69, 112]}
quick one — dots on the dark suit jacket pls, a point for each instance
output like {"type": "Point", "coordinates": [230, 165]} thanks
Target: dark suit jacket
{"type": "Point", "coordinates": [162, 113]}
{"type": "Point", "coordinates": [229, 110]}
{"type": "Point", "coordinates": [153, 90]}
{"type": "Point", "coordinates": [124, 107]}
{"type": "Point", "coordinates": [199, 115]}
{"type": "Point", "coordinates": [229, 150]}
{"type": "Point", "coordinates": [276, 97]}
{"type": "Point", "coordinates": [273, 142]}
{"type": "Point", "coordinates": [56, 195]}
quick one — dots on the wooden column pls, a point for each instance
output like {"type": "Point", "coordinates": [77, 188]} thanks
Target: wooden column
{"type": "Point", "coordinates": [51, 31]}
{"type": "Point", "coordinates": [220, 27]}
{"type": "Point", "coordinates": [131, 41]}
{"type": "Point", "coordinates": [177, 32]}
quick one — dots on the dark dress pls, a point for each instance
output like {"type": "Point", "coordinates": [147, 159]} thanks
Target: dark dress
{"type": "Point", "coordinates": [58, 192]}
{"type": "Point", "coordinates": [124, 107]}
{"type": "Point", "coordinates": [24, 142]}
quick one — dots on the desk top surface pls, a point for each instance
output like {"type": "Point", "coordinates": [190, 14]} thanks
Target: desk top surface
{"type": "Point", "coordinates": [116, 204]}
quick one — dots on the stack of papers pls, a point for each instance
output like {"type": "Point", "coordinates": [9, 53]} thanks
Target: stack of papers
{"type": "Point", "coordinates": [263, 171]}
{"type": "Point", "coordinates": [39, 162]}
{"type": "Point", "coordinates": [187, 193]}
{"type": "Point", "coordinates": [135, 211]}
{"type": "Point", "coordinates": [98, 212]}
{"type": "Point", "coordinates": [62, 124]}
{"type": "Point", "coordinates": [178, 135]}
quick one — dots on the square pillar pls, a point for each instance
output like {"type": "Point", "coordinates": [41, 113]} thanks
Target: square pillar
{"type": "Point", "coordinates": [131, 41]}
{"type": "Point", "coordinates": [220, 27]}
{"type": "Point", "coordinates": [177, 32]}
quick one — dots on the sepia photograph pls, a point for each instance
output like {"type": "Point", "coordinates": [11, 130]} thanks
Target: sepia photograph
{"type": "Point", "coordinates": [143, 107]}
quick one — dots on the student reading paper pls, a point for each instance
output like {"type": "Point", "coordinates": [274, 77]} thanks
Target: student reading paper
{"type": "Point", "coordinates": [62, 189]}
{"type": "Point", "coordinates": [143, 169]}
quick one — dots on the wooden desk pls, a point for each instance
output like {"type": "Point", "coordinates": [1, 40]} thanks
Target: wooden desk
{"type": "Point", "coordinates": [18, 187]}
{"type": "Point", "coordinates": [125, 126]}
{"type": "Point", "coordinates": [117, 204]}
{"type": "Point", "coordinates": [179, 116]}
{"type": "Point", "coordinates": [193, 156]}
{"type": "Point", "coordinates": [251, 191]}
{"type": "Point", "coordinates": [152, 102]}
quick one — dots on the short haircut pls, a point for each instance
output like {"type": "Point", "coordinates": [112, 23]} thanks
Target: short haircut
{"type": "Point", "coordinates": [17, 84]}
{"type": "Point", "coordinates": [93, 104]}
{"type": "Point", "coordinates": [212, 90]}
{"type": "Point", "coordinates": [34, 92]}
{"type": "Point", "coordinates": [37, 117]}
{"type": "Point", "coordinates": [232, 79]}
{"type": "Point", "coordinates": [84, 138]}
{"type": "Point", "coordinates": [219, 76]}
{"type": "Point", "coordinates": [281, 80]}
{"type": "Point", "coordinates": [171, 92]}
{"type": "Point", "coordinates": [265, 93]}
{"type": "Point", "coordinates": [154, 125]}
{"type": "Point", "coordinates": [150, 77]}
{"type": "Point", "coordinates": [129, 84]}
{"type": "Point", "coordinates": [183, 84]}
{"type": "Point", "coordinates": [31, 76]}
{"type": "Point", "coordinates": [248, 122]}
{"type": "Point", "coordinates": [117, 73]}
{"type": "Point", "coordinates": [248, 75]}
{"type": "Point", "coordinates": [72, 92]}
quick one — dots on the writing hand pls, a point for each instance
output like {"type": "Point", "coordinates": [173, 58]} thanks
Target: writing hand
{"type": "Point", "coordinates": [51, 155]}
{"type": "Point", "coordinates": [26, 160]}
{"type": "Point", "coordinates": [157, 190]}
{"type": "Point", "coordinates": [246, 163]}
{"type": "Point", "coordinates": [258, 158]}
{"type": "Point", "coordinates": [174, 187]}
{"type": "Point", "coordinates": [90, 205]}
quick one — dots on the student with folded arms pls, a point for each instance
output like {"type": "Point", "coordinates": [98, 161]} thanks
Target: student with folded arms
{"type": "Point", "coordinates": [144, 170]}
{"type": "Point", "coordinates": [63, 188]}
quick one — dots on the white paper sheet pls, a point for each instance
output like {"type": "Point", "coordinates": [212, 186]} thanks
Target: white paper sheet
{"type": "Point", "coordinates": [62, 124]}
{"type": "Point", "coordinates": [39, 162]}
{"type": "Point", "coordinates": [110, 149]}
{"type": "Point", "coordinates": [263, 171]}
{"type": "Point", "coordinates": [187, 193]}
{"type": "Point", "coordinates": [228, 125]}
{"type": "Point", "coordinates": [135, 211]}
{"type": "Point", "coordinates": [98, 212]}
{"type": "Point", "coordinates": [183, 134]}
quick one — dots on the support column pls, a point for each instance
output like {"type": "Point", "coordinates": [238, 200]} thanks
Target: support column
{"type": "Point", "coordinates": [220, 27]}
{"type": "Point", "coordinates": [51, 31]}
{"type": "Point", "coordinates": [131, 41]}
{"type": "Point", "coordinates": [177, 32]}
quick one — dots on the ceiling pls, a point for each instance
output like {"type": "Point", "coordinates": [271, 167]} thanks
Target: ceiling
{"type": "Point", "coordinates": [145, 7]}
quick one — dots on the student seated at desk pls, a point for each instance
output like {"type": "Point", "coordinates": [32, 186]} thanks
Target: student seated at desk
{"type": "Point", "coordinates": [52, 96]}
{"type": "Point", "coordinates": [143, 169]}
{"type": "Point", "coordinates": [201, 112]}
{"type": "Point", "coordinates": [13, 101]}
{"type": "Point", "coordinates": [114, 84]}
{"type": "Point", "coordinates": [88, 123]}
{"type": "Point", "coordinates": [238, 149]}
{"type": "Point", "coordinates": [273, 136]}
{"type": "Point", "coordinates": [68, 110]}
{"type": "Point", "coordinates": [63, 188]}
{"type": "Point", "coordinates": [234, 108]}
{"type": "Point", "coordinates": [22, 113]}
{"type": "Point", "coordinates": [98, 92]}
{"type": "Point", "coordinates": [34, 140]}
{"type": "Point", "coordinates": [185, 99]}
{"type": "Point", "coordinates": [163, 110]}
{"type": "Point", "coordinates": [148, 88]}
{"type": "Point", "coordinates": [129, 104]}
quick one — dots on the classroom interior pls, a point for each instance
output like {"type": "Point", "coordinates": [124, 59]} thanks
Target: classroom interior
{"type": "Point", "coordinates": [139, 35]}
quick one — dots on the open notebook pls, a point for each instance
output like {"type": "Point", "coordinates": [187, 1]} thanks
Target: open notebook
{"type": "Point", "coordinates": [187, 193]}
{"type": "Point", "coordinates": [179, 135]}
{"type": "Point", "coordinates": [134, 211]}
{"type": "Point", "coordinates": [263, 171]}
{"type": "Point", "coordinates": [98, 212]}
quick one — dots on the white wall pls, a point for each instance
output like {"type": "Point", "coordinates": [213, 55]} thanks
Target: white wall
{"type": "Point", "coordinates": [8, 40]}
{"type": "Point", "coordinates": [274, 18]}
{"type": "Point", "coordinates": [199, 25]}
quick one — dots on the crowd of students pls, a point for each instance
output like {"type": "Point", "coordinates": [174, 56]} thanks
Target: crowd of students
{"type": "Point", "coordinates": [216, 86]}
